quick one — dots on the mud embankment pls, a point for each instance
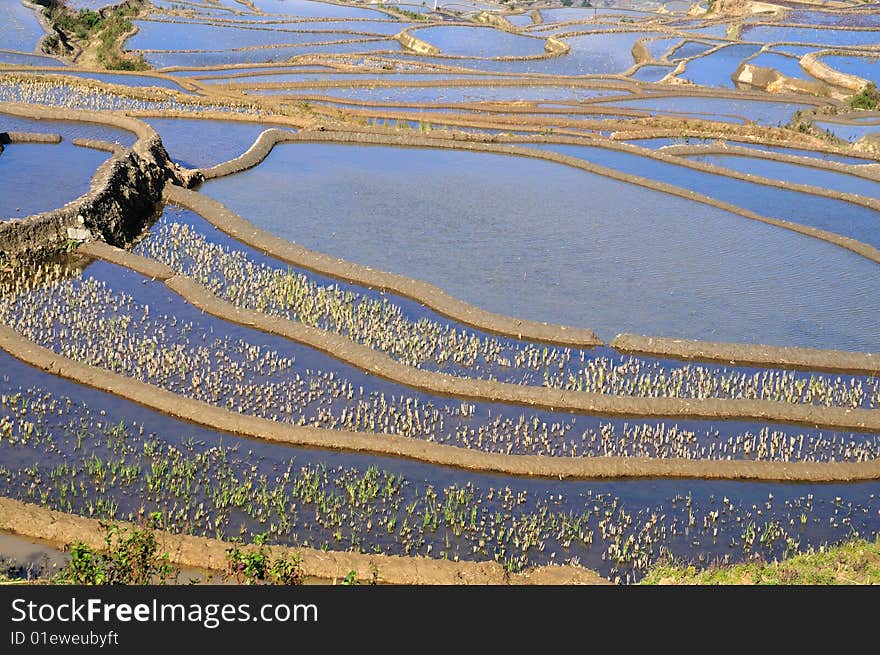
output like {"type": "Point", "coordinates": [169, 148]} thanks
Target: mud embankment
{"type": "Point", "coordinates": [418, 46]}
{"type": "Point", "coordinates": [511, 145]}
{"type": "Point", "coordinates": [742, 354]}
{"type": "Point", "coordinates": [62, 529]}
{"type": "Point", "coordinates": [812, 63]}
{"type": "Point", "coordinates": [579, 468]}
{"type": "Point", "coordinates": [239, 228]}
{"type": "Point", "coordinates": [124, 192]}
{"type": "Point", "coordinates": [772, 81]}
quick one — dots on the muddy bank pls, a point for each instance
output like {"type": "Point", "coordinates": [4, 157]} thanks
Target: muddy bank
{"type": "Point", "coordinates": [418, 46]}
{"type": "Point", "coordinates": [425, 293]}
{"type": "Point", "coordinates": [28, 137]}
{"type": "Point", "coordinates": [201, 552]}
{"type": "Point", "coordinates": [124, 193]}
{"type": "Point", "coordinates": [812, 63]}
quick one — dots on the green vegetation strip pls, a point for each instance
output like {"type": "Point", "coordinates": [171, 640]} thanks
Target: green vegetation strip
{"type": "Point", "coordinates": [201, 552]}
{"type": "Point", "coordinates": [855, 562]}
{"type": "Point", "coordinates": [381, 365]}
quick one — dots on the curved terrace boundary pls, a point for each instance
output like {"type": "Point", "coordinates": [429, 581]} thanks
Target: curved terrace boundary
{"type": "Point", "coordinates": [425, 293]}
{"type": "Point", "coordinates": [511, 145]}
{"type": "Point", "coordinates": [865, 171]}
{"type": "Point", "coordinates": [61, 528]}
{"type": "Point", "coordinates": [572, 468]}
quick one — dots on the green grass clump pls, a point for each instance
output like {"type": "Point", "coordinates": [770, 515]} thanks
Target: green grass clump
{"type": "Point", "coordinates": [130, 557]}
{"type": "Point", "coordinates": [854, 562]}
{"type": "Point", "coordinates": [868, 98]}
{"type": "Point", "coordinates": [256, 566]}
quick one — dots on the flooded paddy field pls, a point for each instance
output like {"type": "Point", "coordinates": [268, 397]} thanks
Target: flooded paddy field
{"type": "Point", "coordinates": [68, 130]}
{"type": "Point", "coordinates": [827, 213]}
{"type": "Point", "coordinates": [502, 257]}
{"type": "Point", "coordinates": [19, 28]}
{"type": "Point", "coordinates": [67, 168]}
{"type": "Point", "coordinates": [407, 318]}
{"type": "Point", "coordinates": [866, 66]}
{"type": "Point", "coordinates": [111, 78]}
{"type": "Point", "coordinates": [110, 459]}
{"type": "Point", "coordinates": [795, 173]}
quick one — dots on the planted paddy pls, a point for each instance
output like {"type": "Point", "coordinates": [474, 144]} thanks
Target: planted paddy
{"type": "Point", "coordinates": [505, 447]}
{"type": "Point", "coordinates": [469, 41]}
{"type": "Point", "coordinates": [57, 94]}
{"type": "Point", "coordinates": [256, 374]}
{"type": "Point", "coordinates": [270, 53]}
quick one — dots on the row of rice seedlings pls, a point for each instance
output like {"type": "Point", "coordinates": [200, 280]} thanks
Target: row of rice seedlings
{"type": "Point", "coordinates": [85, 320]}
{"type": "Point", "coordinates": [72, 96]}
{"type": "Point", "coordinates": [384, 325]}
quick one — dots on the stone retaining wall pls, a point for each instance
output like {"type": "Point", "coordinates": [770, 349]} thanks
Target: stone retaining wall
{"type": "Point", "coordinates": [123, 196]}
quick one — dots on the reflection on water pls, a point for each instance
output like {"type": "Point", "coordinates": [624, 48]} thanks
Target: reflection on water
{"type": "Point", "coordinates": [547, 242]}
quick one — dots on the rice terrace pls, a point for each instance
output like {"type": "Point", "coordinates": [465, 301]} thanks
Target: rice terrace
{"type": "Point", "coordinates": [450, 292]}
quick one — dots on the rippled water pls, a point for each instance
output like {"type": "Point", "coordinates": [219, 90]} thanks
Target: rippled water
{"type": "Point", "coordinates": [19, 27]}
{"type": "Point", "coordinates": [796, 173]}
{"type": "Point", "coordinates": [716, 69]}
{"type": "Point", "coordinates": [479, 41]}
{"type": "Point", "coordinates": [867, 68]}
